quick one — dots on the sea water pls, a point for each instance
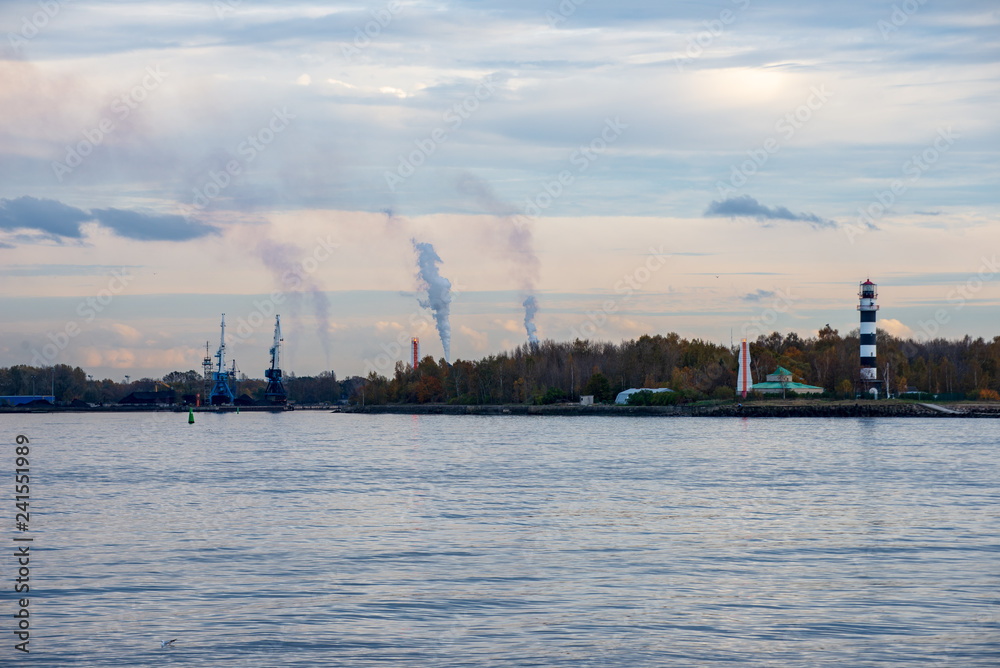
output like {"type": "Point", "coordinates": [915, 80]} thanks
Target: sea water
{"type": "Point", "coordinates": [323, 539]}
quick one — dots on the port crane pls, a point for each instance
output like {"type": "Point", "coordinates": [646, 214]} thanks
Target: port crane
{"type": "Point", "coordinates": [275, 392]}
{"type": "Point", "coordinates": [222, 392]}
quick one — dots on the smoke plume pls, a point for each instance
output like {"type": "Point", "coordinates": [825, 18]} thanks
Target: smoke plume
{"type": "Point", "coordinates": [284, 262]}
{"type": "Point", "coordinates": [516, 242]}
{"type": "Point", "coordinates": [438, 292]}
{"type": "Point", "coordinates": [530, 308]}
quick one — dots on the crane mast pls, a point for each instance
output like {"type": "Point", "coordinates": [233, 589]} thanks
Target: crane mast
{"type": "Point", "coordinates": [222, 393]}
{"type": "Point", "coordinates": [275, 392]}
{"type": "Point", "coordinates": [276, 348]}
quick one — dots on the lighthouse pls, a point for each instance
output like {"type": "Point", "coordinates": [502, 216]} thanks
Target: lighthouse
{"type": "Point", "coordinates": [868, 293]}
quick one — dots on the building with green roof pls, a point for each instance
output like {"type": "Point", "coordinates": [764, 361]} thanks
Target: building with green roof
{"type": "Point", "coordinates": [781, 381]}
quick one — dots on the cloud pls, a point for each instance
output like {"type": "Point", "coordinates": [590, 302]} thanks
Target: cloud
{"type": "Point", "coordinates": [745, 205]}
{"type": "Point", "coordinates": [152, 227]}
{"type": "Point", "coordinates": [60, 269]}
{"type": "Point", "coordinates": [480, 340]}
{"type": "Point", "coordinates": [896, 328]}
{"type": "Point", "coordinates": [127, 333]}
{"type": "Point", "coordinates": [46, 215]}
{"type": "Point", "coordinates": [140, 358]}
{"type": "Point", "coordinates": [56, 219]}
{"type": "Point", "coordinates": [510, 325]}
{"type": "Point", "coordinates": [759, 295]}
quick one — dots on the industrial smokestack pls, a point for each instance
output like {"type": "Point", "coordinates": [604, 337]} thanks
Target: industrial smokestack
{"type": "Point", "coordinates": [438, 292]}
{"type": "Point", "coordinates": [530, 309]}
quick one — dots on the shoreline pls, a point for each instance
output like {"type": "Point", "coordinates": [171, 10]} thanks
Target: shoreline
{"type": "Point", "coordinates": [775, 409]}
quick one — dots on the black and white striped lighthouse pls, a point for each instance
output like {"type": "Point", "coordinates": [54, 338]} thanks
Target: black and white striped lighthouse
{"type": "Point", "coordinates": [868, 294]}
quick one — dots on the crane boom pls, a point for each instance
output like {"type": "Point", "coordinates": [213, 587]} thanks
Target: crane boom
{"type": "Point", "coordinates": [276, 348]}
{"type": "Point", "coordinates": [275, 393]}
{"type": "Point", "coordinates": [222, 393]}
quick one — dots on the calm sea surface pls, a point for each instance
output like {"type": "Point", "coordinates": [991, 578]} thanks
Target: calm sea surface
{"type": "Point", "coordinates": [317, 539]}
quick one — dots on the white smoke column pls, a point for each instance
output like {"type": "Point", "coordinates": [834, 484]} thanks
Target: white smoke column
{"type": "Point", "coordinates": [282, 260]}
{"type": "Point", "coordinates": [438, 292]}
{"type": "Point", "coordinates": [530, 309]}
{"type": "Point", "coordinates": [514, 230]}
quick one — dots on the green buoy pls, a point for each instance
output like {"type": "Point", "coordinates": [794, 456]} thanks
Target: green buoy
{"type": "Point", "coordinates": [190, 416]}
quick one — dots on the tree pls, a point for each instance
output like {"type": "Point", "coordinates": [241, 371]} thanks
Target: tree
{"type": "Point", "coordinates": [600, 387]}
{"type": "Point", "coordinates": [429, 389]}
{"type": "Point", "coordinates": [846, 388]}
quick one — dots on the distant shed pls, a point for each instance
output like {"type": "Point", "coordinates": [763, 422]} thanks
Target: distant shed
{"type": "Point", "coordinates": [21, 400]}
{"type": "Point", "coordinates": [622, 397]}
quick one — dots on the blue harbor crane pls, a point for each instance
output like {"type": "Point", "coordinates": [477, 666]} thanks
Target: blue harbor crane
{"type": "Point", "coordinates": [275, 392]}
{"type": "Point", "coordinates": [222, 392]}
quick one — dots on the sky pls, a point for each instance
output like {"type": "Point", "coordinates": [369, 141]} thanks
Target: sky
{"type": "Point", "coordinates": [716, 169]}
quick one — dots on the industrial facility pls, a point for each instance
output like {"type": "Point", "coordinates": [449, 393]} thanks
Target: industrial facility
{"type": "Point", "coordinates": [220, 382]}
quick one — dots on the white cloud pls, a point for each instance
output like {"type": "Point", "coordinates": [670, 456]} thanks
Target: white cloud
{"type": "Point", "coordinates": [480, 340]}
{"type": "Point", "coordinates": [127, 333]}
{"type": "Point", "coordinates": [510, 325]}
{"type": "Point", "coordinates": [896, 328]}
{"type": "Point", "coordinates": [389, 90]}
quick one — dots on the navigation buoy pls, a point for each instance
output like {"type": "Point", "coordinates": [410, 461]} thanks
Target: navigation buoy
{"type": "Point", "coordinates": [190, 416]}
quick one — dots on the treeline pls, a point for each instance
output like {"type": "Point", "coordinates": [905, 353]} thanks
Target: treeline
{"type": "Point", "coordinates": [550, 372]}
{"type": "Point", "coordinates": [697, 369]}
{"type": "Point", "coordinates": [68, 383]}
